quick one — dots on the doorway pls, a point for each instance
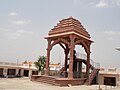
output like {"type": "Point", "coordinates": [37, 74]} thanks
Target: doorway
{"type": "Point", "coordinates": [11, 71]}
{"type": "Point", "coordinates": [1, 72]}
{"type": "Point", "coordinates": [26, 73]}
{"type": "Point", "coordinates": [110, 81]}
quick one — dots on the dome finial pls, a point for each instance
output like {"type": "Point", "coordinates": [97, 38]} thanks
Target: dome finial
{"type": "Point", "coordinates": [71, 17]}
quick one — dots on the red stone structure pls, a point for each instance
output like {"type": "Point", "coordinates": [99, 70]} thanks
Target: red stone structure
{"type": "Point", "coordinates": [68, 33]}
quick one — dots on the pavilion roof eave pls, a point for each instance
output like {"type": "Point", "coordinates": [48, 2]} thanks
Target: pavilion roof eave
{"type": "Point", "coordinates": [68, 33]}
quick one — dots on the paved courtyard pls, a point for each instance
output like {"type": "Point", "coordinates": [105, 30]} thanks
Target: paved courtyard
{"type": "Point", "coordinates": [26, 84]}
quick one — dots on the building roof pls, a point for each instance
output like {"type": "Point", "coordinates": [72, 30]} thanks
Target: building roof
{"type": "Point", "coordinates": [54, 65]}
{"type": "Point", "coordinates": [69, 26]}
{"type": "Point", "coordinates": [17, 65]}
{"type": "Point", "coordinates": [109, 71]}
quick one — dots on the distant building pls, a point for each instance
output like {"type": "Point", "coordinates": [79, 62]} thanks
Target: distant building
{"type": "Point", "coordinates": [26, 69]}
{"type": "Point", "coordinates": [55, 66]}
{"type": "Point", "coordinates": [110, 76]}
{"type": "Point", "coordinates": [54, 69]}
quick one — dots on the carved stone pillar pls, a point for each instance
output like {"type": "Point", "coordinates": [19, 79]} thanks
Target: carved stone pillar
{"type": "Point", "coordinates": [72, 46]}
{"type": "Point", "coordinates": [79, 69]}
{"type": "Point", "coordinates": [66, 60]}
{"type": "Point", "coordinates": [48, 58]}
{"type": "Point", "coordinates": [88, 63]}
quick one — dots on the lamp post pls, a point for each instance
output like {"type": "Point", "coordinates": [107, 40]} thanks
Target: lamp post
{"type": "Point", "coordinates": [118, 48]}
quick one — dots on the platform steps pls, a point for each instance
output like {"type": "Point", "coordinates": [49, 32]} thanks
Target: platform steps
{"type": "Point", "coordinates": [48, 80]}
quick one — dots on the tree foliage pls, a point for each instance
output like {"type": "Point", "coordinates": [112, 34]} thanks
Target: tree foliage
{"type": "Point", "coordinates": [40, 63]}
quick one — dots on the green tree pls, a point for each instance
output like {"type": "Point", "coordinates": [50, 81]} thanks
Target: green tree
{"type": "Point", "coordinates": [40, 63]}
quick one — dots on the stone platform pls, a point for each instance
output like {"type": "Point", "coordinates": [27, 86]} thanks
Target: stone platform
{"type": "Point", "coordinates": [57, 81]}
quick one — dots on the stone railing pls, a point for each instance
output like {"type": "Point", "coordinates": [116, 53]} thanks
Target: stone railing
{"type": "Point", "coordinates": [84, 56]}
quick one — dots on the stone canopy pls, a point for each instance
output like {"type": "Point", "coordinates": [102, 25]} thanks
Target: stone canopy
{"type": "Point", "coordinates": [69, 26]}
{"type": "Point", "coordinates": [68, 34]}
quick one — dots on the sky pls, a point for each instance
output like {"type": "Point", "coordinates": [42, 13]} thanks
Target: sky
{"type": "Point", "coordinates": [25, 23]}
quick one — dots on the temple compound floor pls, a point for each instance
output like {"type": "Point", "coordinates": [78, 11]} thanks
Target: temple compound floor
{"type": "Point", "coordinates": [26, 84]}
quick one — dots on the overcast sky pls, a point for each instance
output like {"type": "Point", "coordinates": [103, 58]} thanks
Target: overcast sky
{"type": "Point", "coordinates": [25, 23]}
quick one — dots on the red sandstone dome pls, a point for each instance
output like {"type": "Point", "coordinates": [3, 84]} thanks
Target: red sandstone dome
{"type": "Point", "coordinates": [68, 26]}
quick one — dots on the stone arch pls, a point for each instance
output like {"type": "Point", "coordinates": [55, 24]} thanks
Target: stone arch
{"type": "Point", "coordinates": [85, 46]}
{"type": "Point", "coordinates": [54, 43]}
{"type": "Point", "coordinates": [81, 42]}
{"type": "Point", "coordinates": [59, 41]}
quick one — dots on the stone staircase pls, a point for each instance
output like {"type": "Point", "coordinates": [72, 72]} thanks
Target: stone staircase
{"type": "Point", "coordinates": [94, 69]}
{"type": "Point", "coordinates": [47, 80]}
{"type": "Point", "coordinates": [92, 75]}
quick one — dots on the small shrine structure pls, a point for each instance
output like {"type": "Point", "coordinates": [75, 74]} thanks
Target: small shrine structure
{"type": "Point", "coordinates": [68, 33]}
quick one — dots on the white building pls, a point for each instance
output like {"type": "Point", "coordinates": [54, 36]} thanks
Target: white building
{"type": "Point", "coordinates": [109, 76]}
{"type": "Point", "coordinates": [8, 69]}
